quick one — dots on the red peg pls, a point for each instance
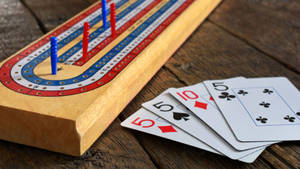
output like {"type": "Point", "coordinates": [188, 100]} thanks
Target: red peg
{"type": "Point", "coordinates": [85, 41]}
{"type": "Point", "coordinates": [113, 19]}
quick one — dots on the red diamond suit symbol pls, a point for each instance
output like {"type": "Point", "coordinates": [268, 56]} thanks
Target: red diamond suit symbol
{"type": "Point", "coordinates": [200, 105]}
{"type": "Point", "coordinates": [167, 129]}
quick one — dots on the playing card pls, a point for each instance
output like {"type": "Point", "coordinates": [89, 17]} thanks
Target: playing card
{"type": "Point", "coordinates": [197, 99]}
{"type": "Point", "coordinates": [145, 121]}
{"type": "Point", "coordinates": [261, 109]}
{"type": "Point", "coordinates": [171, 110]}
{"type": "Point", "coordinates": [250, 158]}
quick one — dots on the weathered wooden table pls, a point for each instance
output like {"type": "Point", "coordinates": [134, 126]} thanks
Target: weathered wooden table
{"type": "Point", "coordinates": [248, 38]}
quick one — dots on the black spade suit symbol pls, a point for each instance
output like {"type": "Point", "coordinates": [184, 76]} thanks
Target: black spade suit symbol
{"type": "Point", "coordinates": [179, 116]}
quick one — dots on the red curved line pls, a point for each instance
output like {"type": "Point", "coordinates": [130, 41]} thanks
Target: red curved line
{"type": "Point", "coordinates": [122, 29]}
{"type": "Point", "coordinates": [121, 65]}
{"type": "Point", "coordinates": [5, 69]}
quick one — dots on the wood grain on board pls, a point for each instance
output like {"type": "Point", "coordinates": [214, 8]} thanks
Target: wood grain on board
{"type": "Point", "coordinates": [116, 148]}
{"type": "Point", "coordinates": [237, 41]}
{"type": "Point", "coordinates": [25, 118]}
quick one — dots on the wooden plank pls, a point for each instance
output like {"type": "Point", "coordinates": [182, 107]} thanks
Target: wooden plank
{"type": "Point", "coordinates": [284, 153]}
{"type": "Point", "coordinates": [52, 13]}
{"type": "Point", "coordinates": [92, 1]}
{"type": "Point", "coordinates": [13, 31]}
{"type": "Point", "coordinates": [211, 53]}
{"type": "Point", "coordinates": [109, 151]}
{"type": "Point", "coordinates": [206, 56]}
{"type": "Point", "coordinates": [273, 160]}
{"type": "Point", "coordinates": [292, 148]}
{"type": "Point", "coordinates": [272, 27]}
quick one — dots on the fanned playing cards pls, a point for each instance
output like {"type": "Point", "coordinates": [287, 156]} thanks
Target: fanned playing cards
{"type": "Point", "coordinates": [236, 117]}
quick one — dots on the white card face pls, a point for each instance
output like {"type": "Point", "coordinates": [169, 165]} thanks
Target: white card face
{"type": "Point", "coordinates": [197, 99]}
{"type": "Point", "coordinates": [251, 157]}
{"type": "Point", "coordinates": [171, 110]}
{"type": "Point", "coordinates": [145, 121]}
{"type": "Point", "coordinates": [262, 109]}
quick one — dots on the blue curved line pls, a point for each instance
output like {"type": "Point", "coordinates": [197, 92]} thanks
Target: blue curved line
{"type": "Point", "coordinates": [27, 70]}
{"type": "Point", "coordinates": [108, 56]}
{"type": "Point", "coordinates": [96, 33]}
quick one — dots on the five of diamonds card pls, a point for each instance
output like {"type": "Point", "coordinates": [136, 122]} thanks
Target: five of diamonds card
{"type": "Point", "coordinates": [236, 117]}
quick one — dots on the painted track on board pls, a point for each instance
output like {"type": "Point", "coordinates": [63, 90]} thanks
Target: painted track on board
{"type": "Point", "coordinates": [21, 77]}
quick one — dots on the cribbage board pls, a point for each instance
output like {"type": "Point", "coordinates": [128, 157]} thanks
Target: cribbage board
{"type": "Point", "coordinates": [67, 112]}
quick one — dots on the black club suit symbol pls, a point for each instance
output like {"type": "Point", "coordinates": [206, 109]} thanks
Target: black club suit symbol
{"type": "Point", "coordinates": [262, 119]}
{"type": "Point", "coordinates": [298, 113]}
{"type": "Point", "coordinates": [268, 91]}
{"type": "Point", "coordinates": [225, 95]}
{"type": "Point", "coordinates": [289, 118]}
{"type": "Point", "coordinates": [266, 105]}
{"type": "Point", "coordinates": [242, 92]}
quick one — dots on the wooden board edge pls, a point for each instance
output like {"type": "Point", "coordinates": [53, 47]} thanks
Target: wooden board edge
{"type": "Point", "coordinates": [45, 132]}
{"type": "Point", "coordinates": [75, 137]}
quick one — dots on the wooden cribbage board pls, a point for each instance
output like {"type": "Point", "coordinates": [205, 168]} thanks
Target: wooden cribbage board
{"type": "Point", "coordinates": [67, 112]}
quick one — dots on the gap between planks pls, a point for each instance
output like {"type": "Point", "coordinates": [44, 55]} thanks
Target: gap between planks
{"type": "Point", "coordinates": [256, 48]}
{"type": "Point", "coordinates": [36, 18]}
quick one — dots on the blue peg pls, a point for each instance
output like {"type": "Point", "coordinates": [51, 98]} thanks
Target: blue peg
{"type": "Point", "coordinates": [54, 55]}
{"type": "Point", "coordinates": [104, 14]}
